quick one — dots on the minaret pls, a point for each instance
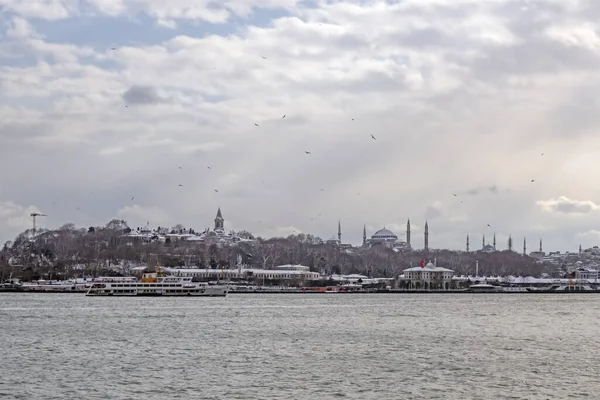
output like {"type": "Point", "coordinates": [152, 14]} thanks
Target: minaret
{"type": "Point", "coordinates": [524, 246]}
{"type": "Point", "coordinates": [579, 249]}
{"type": "Point", "coordinates": [219, 221]}
{"type": "Point", "coordinates": [509, 243]}
{"type": "Point", "coordinates": [541, 245]}
{"type": "Point", "coordinates": [340, 231]}
{"type": "Point", "coordinates": [426, 236]}
{"type": "Point", "coordinates": [467, 242]}
{"type": "Point", "coordinates": [408, 233]}
{"type": "Point", "coordinates": [494, 242]}
{"type": "Point", "coordinates": [483, 241]}
{"type": "Point", "coordinates": [364, 235]}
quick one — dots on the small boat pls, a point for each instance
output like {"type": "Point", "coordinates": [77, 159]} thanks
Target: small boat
{"type": "Point", "coordinates": [484, 288]}
{"type": "Point", "coordinates": [157, 284]}
{"type": "Point", "coordinates": [12, 285]}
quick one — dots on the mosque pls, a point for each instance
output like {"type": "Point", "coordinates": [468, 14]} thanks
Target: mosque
{"type": "Point", "coordinates": [383, 238]}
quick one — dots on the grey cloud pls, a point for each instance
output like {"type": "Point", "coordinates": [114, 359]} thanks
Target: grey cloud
{"type": "Point", "coordinates": [138, 94]}
{"type": "Point", "coordinates": [479, 190]}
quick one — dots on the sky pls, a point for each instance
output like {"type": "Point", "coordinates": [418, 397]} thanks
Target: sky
{"type": "Point", "coordinates": [477, 116]}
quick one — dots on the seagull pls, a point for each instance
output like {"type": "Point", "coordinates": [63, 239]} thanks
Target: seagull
{"type": "Point", "coordinates": [113, 48]}
{"type": "Point", "coordinates": [179, 167]}
{"type": "Point", "coordinates": [489, 225]}
{"type": "Point", "coordinates": [264, 58]}
{"type": "Point", "coordinates": [542, 153]}
{"type": "Point", "coordinates": [373, 137]}
{"type": "Point", "coordinates": [132, 198]}
{"type": "Point", "coordinates": [307, 152]}
{"type": "Point", "coordinates": [216, 191]}
{"type": "Point", "coordinates": [322, 190]}
{"type": "Point", "coordinates": [533, 180]}
{"type": "Point", "coordinates": [126, 106]}
{"type": "Point", "coordinates": [180, 185]}
{"type": "Point", "coordinates": [283, 116]}
{"type": "Point", "coordinates": [255, 124]}
{"type": "Point", "coordinates": [209, 168]}
{"type": "Point", "coordinates": [352, 119]}
{"type": "Point", "coordinates": [454, 194]}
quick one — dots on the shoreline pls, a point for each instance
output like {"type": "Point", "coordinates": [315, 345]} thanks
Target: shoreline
{"type": "Point", "coordinates": [398, 292]}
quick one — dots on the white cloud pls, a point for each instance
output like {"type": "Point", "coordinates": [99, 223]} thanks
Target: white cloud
{"type": "Point", "coordinates": [461, 96]}
{"type": "Point", "coordinates": [19, 28]}
{"type": "Point", "coordinates": [565, 205]}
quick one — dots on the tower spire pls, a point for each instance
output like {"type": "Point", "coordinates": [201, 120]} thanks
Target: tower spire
{"type": "Point", "coordinates": [483, 241]}
{"type": "Point", "coordinates": [408, 233]}
{"type": "Point", "coordinates": [541, 245]}
{"type": "Point", "coordinates": [467, 242]}
{"type": "Point", "coordinates": [426, 247]}
{"type": "Point", "coordinates": [509, 243]}
{"type": "Point", "coordinates": [494, 242]}
{"type": "Point", "coordinates": [524, 246]}
{"type": "Point", "coordinates": [340, 231]}
{"type": "Point", "coordinates": [364, 235]}
{"type": "Point", "coordinates": [219, 220]}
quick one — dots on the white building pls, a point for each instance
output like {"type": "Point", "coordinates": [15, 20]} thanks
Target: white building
{"type": "Point", "coordinates": [586, 273]}
{"type": "Point", "coordinates": [429, 277]}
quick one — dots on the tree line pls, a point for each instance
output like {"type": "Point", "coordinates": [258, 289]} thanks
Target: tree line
{"type": "Point", "coordinates": [69, 251]}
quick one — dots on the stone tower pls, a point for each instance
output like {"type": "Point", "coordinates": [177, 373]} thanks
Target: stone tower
{"type": "Point", "coordinates": [426, 236]}
{"type": "Point", "coordinates": [219, 221]}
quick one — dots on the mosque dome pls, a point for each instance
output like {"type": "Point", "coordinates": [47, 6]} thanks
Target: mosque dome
{"type": "Point", "coordinates": [384, 234]}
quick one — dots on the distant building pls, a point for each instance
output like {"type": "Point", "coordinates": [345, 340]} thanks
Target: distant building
{"type": "Point", "coordinates": [386, 239]}
{"type": "Point", "coordinates": [216, 236]}
{"type": "Point", "coordinates": [586, 273]}
{"type": "Point", "coordinates": [429, 277]}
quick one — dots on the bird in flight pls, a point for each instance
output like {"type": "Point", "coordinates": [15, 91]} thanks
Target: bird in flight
{"type": "Point", "coordinates": [126, 106]}
{"type": "Point", "coordinates": [533, 180]}
{"type": "Point", "coordinates": [542, 153]}
{"type": "Point", "coordinates": [307, 152]}
{"type": "Point", "coordinates": [373, 137]}
{"type": "Point", "coordinates": [132, 198]}
{"type": "Point", "coordinates": [180, 185]}
{"type": "Point", "coordinates": [352, 119]}
{"type": "Point", "coordinates": [179, 167]}
{"type": "Point", "coordinates": [322, 190]}
{"type": "Point", "coordinates": [255, 124]}
{"type": "Point", "coordinates": [454, 194]}
{"type": "Point", "coordinates": [264, 58]}
{"type": "Point", "coordinates": [208, 167]}
{"type": "Point", "coordinates": [216, 191]}
{"type": "Point", "coordinates": [489, 225]}
{"type": "Point", "coordinates": [283, 116]}
{"type": "Point", "coordinates": [113, 48]}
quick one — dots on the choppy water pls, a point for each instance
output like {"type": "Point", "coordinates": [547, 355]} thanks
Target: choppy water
{"type": "Point", "coordinates": [65, 346]}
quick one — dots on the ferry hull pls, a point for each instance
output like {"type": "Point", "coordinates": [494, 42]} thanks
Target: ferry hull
{"type": "Point", "coordinates": [204, 292]}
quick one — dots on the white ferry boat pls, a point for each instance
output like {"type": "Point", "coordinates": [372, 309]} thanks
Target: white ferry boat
{"type": "Point", "coordinates": [156, 284]}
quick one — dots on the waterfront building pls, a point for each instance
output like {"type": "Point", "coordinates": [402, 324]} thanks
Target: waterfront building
{"type": "Point", "coordinates": [429, 276]}
{"type": "Point", "coordinates": [296, 273]}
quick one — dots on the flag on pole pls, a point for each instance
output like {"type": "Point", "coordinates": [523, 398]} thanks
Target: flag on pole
{"type": "Point", "coordinates": [422, 264]}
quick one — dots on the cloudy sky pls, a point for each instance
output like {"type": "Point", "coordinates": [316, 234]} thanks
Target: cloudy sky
{"type": "Point", "coordinates": [104, 100]}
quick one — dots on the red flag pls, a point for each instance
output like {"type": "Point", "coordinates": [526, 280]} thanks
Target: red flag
{"type": "Point", "coordinates": [422, 264]}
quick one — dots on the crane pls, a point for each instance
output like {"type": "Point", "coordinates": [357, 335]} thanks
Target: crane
{"type": "Point", "coordinates": [34, 215]}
